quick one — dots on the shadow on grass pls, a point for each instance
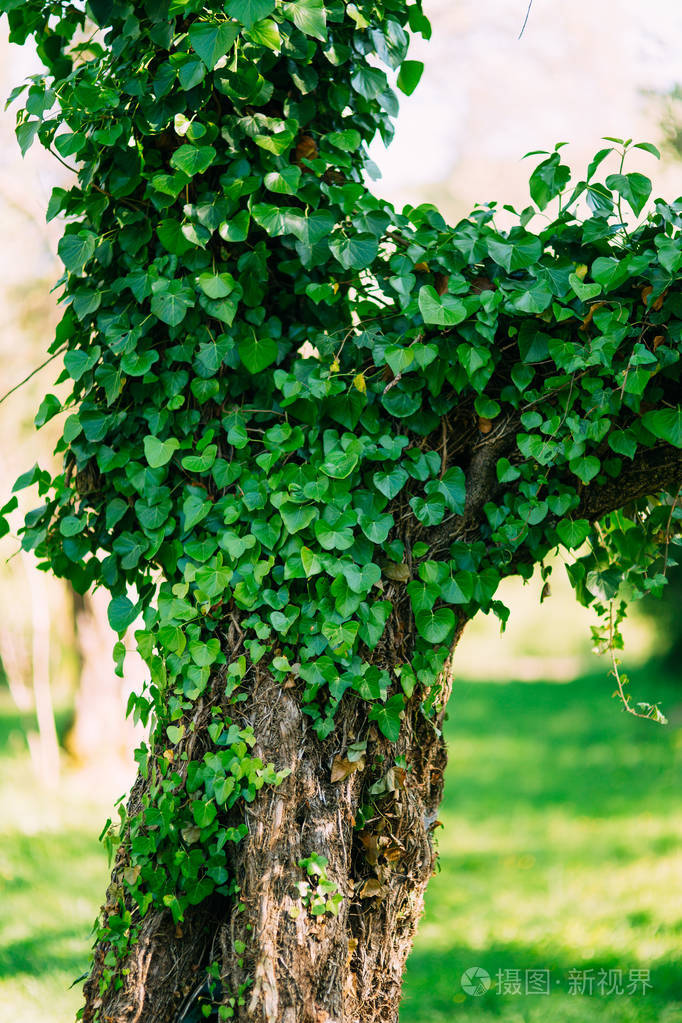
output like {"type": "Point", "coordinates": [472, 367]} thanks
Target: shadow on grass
{"type": "Point", "coordinates": [562, 826]}
{"type": "Point", "coordinates": [435, 992]}
{"type": "Point", "coordinates": [567, 745]}
{"type": "Point", "coordinates": [43, 952]}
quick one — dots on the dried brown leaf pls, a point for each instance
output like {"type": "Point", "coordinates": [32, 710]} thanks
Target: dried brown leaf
{"type": "Point", "coordinates": [398, 573]}
{"type": "Point", "coordinates": [343, 768]}
{"type": "Point", "coordinates": [371, 847]}
{"type": "Point", "coordinates": [371, 889]}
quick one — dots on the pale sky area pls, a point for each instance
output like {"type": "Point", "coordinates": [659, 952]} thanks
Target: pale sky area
{"type": "Point", "coordinates": [581, 70]}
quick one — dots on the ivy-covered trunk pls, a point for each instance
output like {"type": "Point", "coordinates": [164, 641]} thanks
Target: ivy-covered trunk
{"type": "Point", "coordinates": [331, 873]}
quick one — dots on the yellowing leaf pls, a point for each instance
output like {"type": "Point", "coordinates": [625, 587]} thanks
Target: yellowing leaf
{"type": "Point", "coordinates": [371, 889]}
{"type": "Point", "coordinates": [399, 573]}
{"type": "Point", "coordinates": [343, 768]}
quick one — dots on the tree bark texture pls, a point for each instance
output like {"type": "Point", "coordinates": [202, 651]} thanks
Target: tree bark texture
{"type": "Point", "coordinates": [303, 968]}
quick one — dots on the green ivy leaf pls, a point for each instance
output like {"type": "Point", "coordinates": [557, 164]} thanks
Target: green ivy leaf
{"type": "Point", "coordinates": [171, 300]}
{"type": "Point", "coordinates": [75, 250]}
{"type": "Point", "coordinates": [26, 133]}
{"type": "Point", "coordinates": [665, 424]}
{"type": "Point", "coordinates": [158, 452]}
{"type": "Point", "coordinates": [357, 251]}
{"type": "Point", "coordinates": [297, 516]}
{"type": "Point", "coordinates": [257, 353]}
{"type": "Point", "coordinates": [518, 251]}
{"type": "Point", "coordinates": [548, 180]}
{"type": "Point", "coordinates": [339, 464]}
{"type": "Point", "coordinates": [216, 286]}
{"type": "Point", "coordinates": [399, 359]}
{"type": "Point", "coordinates": [78, 362]}
{"type": "Point", "coordinates": [49, 407]}
{"type": "Point", "coordinates": [635, 188]}
{"type": "Point", "coordinates": [283, 182]}
{"type": "Point", "coordinates": [202, 462]}
{"type": "Point", "coordinates": [435, 626]}
{"type": "Point", "coordinates": [348, 140]}
{"type": "Point", "coordinates": [506, 472]}
{"type": "Point", "coordinates": [573, 532]}
{"type": "Point", "coordinates": [388, 716]}
{"type": "Point", "coordinates": [204, 813]}
{"type": "Point", "coordinates": [309, 16]}
{"type": "Point", "coordinates": [248, 12]}
{"type": "Point", "coordinates": [390, 482]}
{"type": "Point", "coordinates": [585, 467]}
{"type": "Point", "coordinates": [584, 291]}
{"type": "Point", "coordinates": [237, 229]}
{"type": "Point", "coordinates": [266, 33]}
{"type": "Point", "coordinates": [193, 160]}
{"type": "Point", "coordinates": [195, 508]}
{"type": "Point", "coordinates": [121, 614]}
{"type": "Point", "coordinates": [409, 76]}
{"type": "Point", "coordinates": [452, 486]}
{"type": "Point", "coordinates": [441, 311]}
{"type": "Point", "coordinates": [211, 42]}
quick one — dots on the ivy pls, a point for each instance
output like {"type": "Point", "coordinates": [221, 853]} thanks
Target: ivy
{"type": "Point", "coordinates": [282, 387]}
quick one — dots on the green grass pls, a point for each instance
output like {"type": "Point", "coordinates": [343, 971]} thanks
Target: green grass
{"type": "Point", "coordinates": [52, 878]}
{"type": "Point", "coordinates": [561, 849]}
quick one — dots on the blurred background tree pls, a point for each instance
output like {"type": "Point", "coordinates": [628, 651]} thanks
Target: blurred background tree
{"type": "Point", "coordinates": [55, 646]}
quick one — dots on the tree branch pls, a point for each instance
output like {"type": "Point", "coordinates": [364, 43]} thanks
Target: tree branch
{"type": "Point", "coordinates": [651, 471]}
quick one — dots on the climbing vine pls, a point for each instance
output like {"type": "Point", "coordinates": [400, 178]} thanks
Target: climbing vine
{"type": "Point", "coordinates": [294, 409]}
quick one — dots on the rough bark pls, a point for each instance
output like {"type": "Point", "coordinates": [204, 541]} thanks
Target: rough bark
{"type": "Point", "coordinates": [301, 968]}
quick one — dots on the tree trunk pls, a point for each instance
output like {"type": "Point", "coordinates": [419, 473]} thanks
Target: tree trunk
{"type": "Point", "coordinates": [100, 730]}
{"type": "Point", "coordinates": [297, 967]}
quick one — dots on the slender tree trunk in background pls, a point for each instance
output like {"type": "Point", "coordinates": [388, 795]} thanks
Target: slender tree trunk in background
{"type": "Point", "coordinates": [16, 667]}
{"type": "Point", "coordinates": [302, 968]}
{"type": "Point", "coordinates": [101, 731]}
{"type": "Point", "coordinates": [28, 673]}
{"type": "Point", "coordinates": [44, 746]}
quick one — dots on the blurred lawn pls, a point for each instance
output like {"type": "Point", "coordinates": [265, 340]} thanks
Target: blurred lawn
{"type": "Point", "coordinates": [52, 879]}
{"type": "Point", "coordinates": [561, 849]}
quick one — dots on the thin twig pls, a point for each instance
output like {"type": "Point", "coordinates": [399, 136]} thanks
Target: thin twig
{"type": "Point", "coordinates": [444, 448]}
{"type": "Point", "coordinates": [525, 20]}
{"type": "Point", "coordinates": [32, 374]}
{"type": "Point", "coordinates": [667, 530]}
{"type": "Point", "coordinates": [63, 162]}
{"type": "Point", "coordinates": [653, 713]}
